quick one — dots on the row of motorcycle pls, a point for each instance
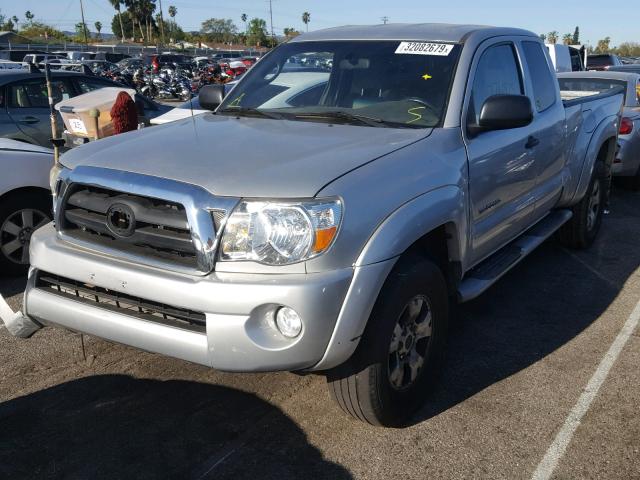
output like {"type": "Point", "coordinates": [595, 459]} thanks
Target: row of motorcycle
{"type": "Point", "coordinates": [172, 81]}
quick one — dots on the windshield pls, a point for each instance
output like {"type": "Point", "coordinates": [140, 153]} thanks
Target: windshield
{"type": "Point", "coordinates": [382, 83]}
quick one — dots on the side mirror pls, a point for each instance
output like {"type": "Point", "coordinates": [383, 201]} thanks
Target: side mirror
{"type": "Point", "coordinates": [211, 96]}
{"type": "Point", "coordinates": [501, 112]}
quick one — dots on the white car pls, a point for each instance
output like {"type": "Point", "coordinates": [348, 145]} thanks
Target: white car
{"type": "Point", "coordinates": [25, 200]}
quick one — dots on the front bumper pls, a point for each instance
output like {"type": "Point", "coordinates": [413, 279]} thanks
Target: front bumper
{"type": "Point", "coordinates": [239, 335]}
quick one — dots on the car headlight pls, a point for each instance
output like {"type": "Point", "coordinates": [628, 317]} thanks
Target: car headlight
{"type": "Point", "coordinates": [280, 233]}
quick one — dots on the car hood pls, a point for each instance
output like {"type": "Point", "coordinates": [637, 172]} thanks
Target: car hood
{"type": "Point", "coordinates": [245, 157]}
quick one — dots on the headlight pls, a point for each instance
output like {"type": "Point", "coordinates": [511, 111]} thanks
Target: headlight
{"type": "Point", "coordinates": [280, 233]}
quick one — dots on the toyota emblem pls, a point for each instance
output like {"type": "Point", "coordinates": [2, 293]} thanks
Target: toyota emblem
{"type": "Point", "coordinates": [120, 220]}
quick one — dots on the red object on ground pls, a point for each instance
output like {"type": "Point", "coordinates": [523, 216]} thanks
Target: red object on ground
{"type": "Point", "coordinates": [124, 114]}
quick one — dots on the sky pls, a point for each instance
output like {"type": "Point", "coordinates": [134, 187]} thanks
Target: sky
{"type": "Point", "coordinates": [595, 19]}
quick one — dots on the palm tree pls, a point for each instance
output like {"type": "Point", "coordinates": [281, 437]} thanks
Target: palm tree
{"type": "Point", "coordinates": [567, 38]}
{"type": "Point", "coordinates": [98, 26]}
{"type": "Point", "coordinates": [15, 21]}
{"type": "Point", "coordinates": [29, 16]}
{"type": "Point", "coordinates": [173, 11]}
{"type": "Point", "coordinates": [116, 4]}
{"type": "Point", "coordinates": [244, 17]}
{"type": "Point", "coordinates": [306, 18]}
{"type": "Point", "coordinates": [552, 37]}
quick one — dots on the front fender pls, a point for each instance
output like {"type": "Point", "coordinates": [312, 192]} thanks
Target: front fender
{"type": "Point", "coordinates": [415, 219]}
{"type": "Point", "coordinates": [394, 236]}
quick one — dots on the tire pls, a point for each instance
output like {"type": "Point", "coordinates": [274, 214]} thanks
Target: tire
{"type": "Point", "coordinates": [581, 230]}
{"type": "Point", "coordinates": [371, 386]}
{"type": "Point", "coordinates": [20, 215]}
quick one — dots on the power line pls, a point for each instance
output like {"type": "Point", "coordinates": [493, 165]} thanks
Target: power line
{"type": "Point", "coordinates": [385, 19]}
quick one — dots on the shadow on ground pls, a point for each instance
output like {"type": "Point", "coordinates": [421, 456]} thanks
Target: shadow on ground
{"type": "Point", "coordinates": [546, 301]}
{"type": "Point", "coordinates": [115, 426]}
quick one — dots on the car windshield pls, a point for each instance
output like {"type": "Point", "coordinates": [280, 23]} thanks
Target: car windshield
{"type": "Point", "coordinates": [376, 83]}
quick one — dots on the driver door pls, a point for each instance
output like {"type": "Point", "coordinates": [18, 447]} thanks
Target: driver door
{"type": "Point", "coordinates": [501, 162]}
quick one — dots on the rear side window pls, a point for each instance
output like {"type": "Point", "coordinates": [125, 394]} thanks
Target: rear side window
{"type": "Point", "coordinates": [33, 93]}
{"type": "Point", "coordinates": [497, 74]}
{"type": "Point", "coordinates": [544, 88]}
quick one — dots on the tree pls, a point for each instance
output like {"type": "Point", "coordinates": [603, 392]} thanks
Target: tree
{"type": "Point", "coordinates": [257, 33]}
{"type": "Point", "coordinates": [39, 30]}
{"type": "Point", "coordinates": [173, 11]}
{"type": "Point", "coordinates": [98, 27]}
{"type": "Point", "coordinates": [306, 18]}
{"type": "Point", "coordinates": [116, 4]}
{"type": "Point", "coordinates": [576, 36]}
{"type": "Point", "coordinates": [290, 32]}
{"type": "Point", "coordinates": [543, 37]}
{"type": "Point", "coordinates": [16, 20]}
{"type": "Point", "coordinates": [552, 37]}
{"type": "Point", "coordinates": [219, 29]}
{"type": "Point", "coordinates": [628, 49]}
{"type": "Point", "coordinates": [567, 38]}
{"type": "Point", "coordinates": [29, 16]}
{"type": "Point", "coordinates": [244, 17]}
{"type": "Point", "coordinates": [603, 45]}
{"type": "Point", "coordinates": [82, 32]}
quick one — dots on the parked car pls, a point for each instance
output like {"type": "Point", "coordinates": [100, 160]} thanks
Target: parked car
{"type": "Point", "coordinates": [24, 109]}
{"type": "Point", "coordinates": [25, 201]}
{"type": "Point", "coordinates": [37, 59]}
{"type": "Point", "coordinates": [602, 62]}
{"type": "Point", "coordinates": [566, 58]}
{"type": "Point", "coordinates": [627, 161]}
{"type": "Point", "coordinates": [334, 239]}
{"type": "Point", "coordinates": [17, 55]}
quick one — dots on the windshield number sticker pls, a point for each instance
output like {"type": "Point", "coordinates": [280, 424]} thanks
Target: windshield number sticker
{"type": "Point", "coordinates": [77, 125]}
{"type": "Point", "coordinates": [421, 48]}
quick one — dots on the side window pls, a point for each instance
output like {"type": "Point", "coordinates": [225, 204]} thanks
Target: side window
{"type": "Point", "coordinates": [544, 88]}
{"type": "Point", "coordinates": [86, 85]}
{"type": "Point", "coordinates": [33, 93]}
{"type": "Point", "coordinates": [497, 74]}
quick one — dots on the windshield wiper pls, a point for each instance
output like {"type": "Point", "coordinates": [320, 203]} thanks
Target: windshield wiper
{"type": "Point", "coordinates": [250, 111]}
{"type": "Point", "coordinates": [342, 115]}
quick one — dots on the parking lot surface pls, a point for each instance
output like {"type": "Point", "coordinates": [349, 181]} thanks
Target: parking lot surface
{"type": "Point", "coordinates": [514, 388]}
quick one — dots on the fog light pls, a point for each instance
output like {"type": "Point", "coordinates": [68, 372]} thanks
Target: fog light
{"type": "Point", "coordinates": [288, 322]}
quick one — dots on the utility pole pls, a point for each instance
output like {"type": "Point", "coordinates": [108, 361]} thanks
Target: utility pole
{"type": "Point", "coordinates": [273, 36]}
{"type": "Point", "coordinates": [385, 19]}
{"type": "Point", "coordinates": [84, 25]}
{"type": "Point", "coordinates": [161, 23]}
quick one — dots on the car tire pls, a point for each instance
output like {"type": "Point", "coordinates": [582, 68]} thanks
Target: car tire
{"type": "Point", "coordinates": [581, 230]}
{"type": "Point", "coordinates": [390, 374]}
{"type": "Point", "coordinates": [20, 215]}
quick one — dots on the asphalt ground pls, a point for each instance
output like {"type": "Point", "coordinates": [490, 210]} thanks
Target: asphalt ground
{"type": "Point", "coordinates": [541, 378]}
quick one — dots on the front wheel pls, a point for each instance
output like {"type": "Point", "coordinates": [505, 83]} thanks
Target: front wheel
{"type": "Point", "coordinates": [581, 230]}
{"type": "Point", "coordinates": [395, 364]}
{"type": "Point", "coordinates": [20, 216]}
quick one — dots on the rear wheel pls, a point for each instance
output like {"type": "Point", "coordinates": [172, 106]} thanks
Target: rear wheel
{"type": "Point", "coordinates": [581, 230]}
{"type": "Point", "coordinates": [20, 216]}
{"type": "Point", "coordinates": [389, 375]}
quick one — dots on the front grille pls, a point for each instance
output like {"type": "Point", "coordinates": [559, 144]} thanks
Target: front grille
{"type": "Point", "coordinates": [122, 303]}
{"type": "Point", "coordinates": [159, 229]}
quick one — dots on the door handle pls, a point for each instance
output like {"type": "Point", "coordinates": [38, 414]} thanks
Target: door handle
{"type": "Point", "coordinates": [531, 142]}
{"type": "Point", "coordinates": [29, 120]}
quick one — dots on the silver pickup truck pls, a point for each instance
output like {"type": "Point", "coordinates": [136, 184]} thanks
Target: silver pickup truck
{"type": "Point", "coordinates": [383, 173]}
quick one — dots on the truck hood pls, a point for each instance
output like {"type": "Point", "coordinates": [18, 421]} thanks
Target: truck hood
{"type": "Point", "coordinates": [245, 157]}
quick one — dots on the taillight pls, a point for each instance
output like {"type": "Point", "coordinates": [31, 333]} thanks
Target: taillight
{"type": "Point", "coordinates": [626, 126]}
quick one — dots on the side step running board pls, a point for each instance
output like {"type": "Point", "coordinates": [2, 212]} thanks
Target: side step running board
{"type": "Point", "coordinates": [493, 268]}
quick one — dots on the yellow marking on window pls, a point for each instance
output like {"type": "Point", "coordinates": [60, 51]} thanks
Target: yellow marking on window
{"type": "Point", "coordinates": [426, 76]}
{"type": "Point", "coordinates": [418, 116]}
{"type": "Point", "coordinates": [236, 102]}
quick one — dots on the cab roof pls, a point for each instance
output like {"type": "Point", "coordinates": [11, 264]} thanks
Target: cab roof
{"type": "Point", "coordinates": [433, 32]}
